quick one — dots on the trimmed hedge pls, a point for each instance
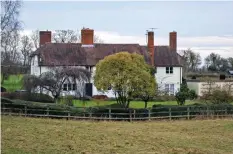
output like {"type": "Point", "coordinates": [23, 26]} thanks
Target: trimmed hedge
{"type": "Point", "coordinates": [40, 108]}
{"type": "Point", "coordinates": [196, 109]}
{"type": "Point", "coordinates": [36, 97]}
{"type": "Point", "coordinates": [18, 106]}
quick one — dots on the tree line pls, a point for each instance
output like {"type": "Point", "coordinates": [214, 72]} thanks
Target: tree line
{"type": "Point", "coordinates": [212, 63]}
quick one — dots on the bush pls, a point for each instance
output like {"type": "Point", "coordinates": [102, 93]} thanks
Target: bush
{"type": "Point", "coordinates": [40, 108]}
{"type": "Point", "coordinates": [192, 95]}
{"type": "Point", "coordinates": [181, 97]}
{"type": "Point", "coordinates": [196, 109]}
{"type": "Point", "coordinates": [36, 97]}
{"type": "Point", "coordinates": [220, 96]}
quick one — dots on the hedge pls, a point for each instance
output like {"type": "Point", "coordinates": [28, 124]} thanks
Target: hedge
{"type": "Point", "coordinates": [36, 97]}
{"type": "Point", "coordinates": [196, 109]}
{"type": "Point", "coordinates": [40, 108]}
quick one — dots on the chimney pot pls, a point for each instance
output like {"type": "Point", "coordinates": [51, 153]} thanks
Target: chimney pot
{"type": "Point", "coordinates": [87, 36]}
{"type": "Point", "coordinates": [150, 45]}
{"type": "Point", "coordinates": [45, 37]}
{"type": "Point", "coordinates": [173, 41]}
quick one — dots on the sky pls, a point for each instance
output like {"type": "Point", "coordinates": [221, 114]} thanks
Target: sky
{"type": "Point", "coordinates": [204, 27]}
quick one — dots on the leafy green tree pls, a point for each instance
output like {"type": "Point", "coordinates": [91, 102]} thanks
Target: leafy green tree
{"type": "Point", "coordinates": [124, 73]}
{"type": "Point", "coordinates": [146, 87]}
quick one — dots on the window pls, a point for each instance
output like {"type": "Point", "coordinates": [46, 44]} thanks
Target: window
{"type": "Point", "coordinates": [167, 88]}
{"type": "Point", "coordinates": [172, 89]}
{"type": "Point", "coordinates": [64, 87]}
{"type": "Point", "coordinates": [69, 87]}
{"type": "Point", "coordinates": [74, 87]}
{"type": "Point", "coordinates": [169, 70]}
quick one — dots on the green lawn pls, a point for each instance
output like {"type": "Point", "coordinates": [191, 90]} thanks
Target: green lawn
{"type": "Point", "coordinates": [13, 83]}
{"type": "Point", "coordinates": [30, 135]}
{"type": "Point", "coordinates": [133, 104]}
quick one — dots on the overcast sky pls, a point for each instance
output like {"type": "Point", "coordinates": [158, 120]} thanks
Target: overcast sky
{"type": "Point", "coordinates": [204, 27]}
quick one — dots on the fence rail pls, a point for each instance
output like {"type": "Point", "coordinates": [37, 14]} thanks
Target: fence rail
{"type": "Point", "coordinates": [130, 115]}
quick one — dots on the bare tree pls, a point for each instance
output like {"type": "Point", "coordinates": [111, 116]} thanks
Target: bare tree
{"type": "Point", "coordinates": [53, 80]}
{"type": "Point", "coordinates": [65, 36]}
{"type": "Point", "coordinates": [35, 38]}
{"type": "Point", "coordinates": [192, 60]}
{"type": "Point", "coordinates": [10, 26]}
{"type": "Point", "coordinates": [26, 49]}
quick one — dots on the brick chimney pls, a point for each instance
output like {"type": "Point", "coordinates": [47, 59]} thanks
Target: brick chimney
{"type": "Point", "coordinates": [45, 37]}
{"type": "Point", "coordinates": [173, 41]}
{"type": "Point", "coordinates": [150, 46]}
{"type": "Point", "coordinates": [87, 36]}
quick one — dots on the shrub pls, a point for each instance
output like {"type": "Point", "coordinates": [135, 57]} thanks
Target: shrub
{"type": "Point", "coordinates": [220, 96]}
{"type": "Point", "coordinates": [192, 94]}
{"type": "Point", "coordinates": [195, 109]}
{"type": "Point", "coordinates": [36, 97]}
{"type": "Point", "coordinates": [40, 108]}
{"type": "Point", "coordinates": [181, 97]}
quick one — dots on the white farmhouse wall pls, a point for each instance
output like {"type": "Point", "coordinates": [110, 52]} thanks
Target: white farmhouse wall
{"type": "Point", "coordinates": [163, 78]}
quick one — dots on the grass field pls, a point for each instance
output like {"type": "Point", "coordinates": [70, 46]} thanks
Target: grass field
{"type": "Point", "coordinates": [14, 82]}
{"type": "Point", "coordinates": [133, 104]}
{"type": "Point", "coordinates": [29, 135]}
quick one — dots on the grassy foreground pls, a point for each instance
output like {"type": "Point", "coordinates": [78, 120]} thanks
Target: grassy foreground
{"type": "Point", "coordinates": [29, 135]}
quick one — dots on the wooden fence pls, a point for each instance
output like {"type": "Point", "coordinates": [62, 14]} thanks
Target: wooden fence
{"type": "Point", "coordinates": [128, 115]}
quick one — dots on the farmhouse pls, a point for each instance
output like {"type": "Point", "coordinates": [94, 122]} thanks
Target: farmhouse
{"type": "Point", "coordinates": [86, 54]}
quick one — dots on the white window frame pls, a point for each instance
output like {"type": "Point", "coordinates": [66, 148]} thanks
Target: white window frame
{"type": "Point", "coordinates": [169, 89]}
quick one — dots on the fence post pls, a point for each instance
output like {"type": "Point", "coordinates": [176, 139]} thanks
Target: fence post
{"type": "Point", "coordinates": [226, 112]}
{"type": "Point", "coordinates": [90, 114]}
{"type": "Point", "coordinates": [170, 114]}
{"type": "Point", "coordinates": [68, 115]}
{"type": "Point", "coordinates": [25, 110]}
{"type": "Point", "coordinates": [109, 113]}
{"type": "Point", "coordinates": [130, 115]}
{"type": "Point", "coordinates": [134, 113]}
{"type": "Point", "coordinates": [149, 114]}
{"type": "Point", "coordinates": [188, 112]}
{"type": "Point", "coordinates": [47, 111]}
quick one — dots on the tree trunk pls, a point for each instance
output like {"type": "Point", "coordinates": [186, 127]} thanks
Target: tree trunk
{"type": "Point", "coordinates": [145, 104]}
{"type": "Point", "coordinates": [127, 105]}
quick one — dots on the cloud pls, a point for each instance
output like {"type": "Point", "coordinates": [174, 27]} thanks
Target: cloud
{"type": "Point", "coordinates": [205, 45]}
